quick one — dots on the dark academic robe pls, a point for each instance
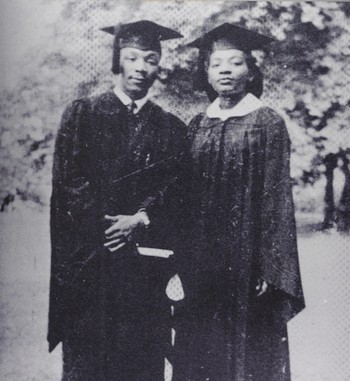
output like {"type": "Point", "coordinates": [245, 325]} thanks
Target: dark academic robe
{"type": "Point", "coordinates": [110, 310]}
{"type": "Point", "coordinates": [242, 228]}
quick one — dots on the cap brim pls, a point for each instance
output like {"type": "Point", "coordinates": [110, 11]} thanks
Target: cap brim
{"type": "Point", "coordinates": [142, 27]}
{"type": "Point", "coordinates": [251, 40]}
{"type": "Point", "coordinates": [109, 29]}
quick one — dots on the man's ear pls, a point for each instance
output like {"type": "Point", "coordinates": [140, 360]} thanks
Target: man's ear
{"type": "Point", "coordinates": [206, 67]}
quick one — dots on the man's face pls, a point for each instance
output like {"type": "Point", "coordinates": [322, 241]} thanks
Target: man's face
{"type": "Point", "coordinates": [138, 70]}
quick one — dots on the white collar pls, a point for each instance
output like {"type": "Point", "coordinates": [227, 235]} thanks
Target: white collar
{"type": "Point", "coordinates": [244, 107]}
{"type": "Point", "coordinates": [126, 100]}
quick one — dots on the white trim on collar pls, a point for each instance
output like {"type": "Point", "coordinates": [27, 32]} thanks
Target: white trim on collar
{"type": "Point", "coordinates": [244, 107]}
{"type": "Point", "coordinates": [126, 100]}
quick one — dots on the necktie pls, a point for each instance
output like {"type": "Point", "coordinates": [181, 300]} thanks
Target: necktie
{"type": "Point", "coordinates": [131, 107]}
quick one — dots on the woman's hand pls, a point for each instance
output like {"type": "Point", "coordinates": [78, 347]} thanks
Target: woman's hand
{"type": "Point", "coordinates": [123, 228]}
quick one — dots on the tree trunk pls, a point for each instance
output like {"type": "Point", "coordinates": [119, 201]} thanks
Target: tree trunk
{"type": "Point", "coordinates": [343, 209]}
{"type": "Point", "coordinates": [6, 201]}
{"type": "Point", "coordinates": [330, 161]}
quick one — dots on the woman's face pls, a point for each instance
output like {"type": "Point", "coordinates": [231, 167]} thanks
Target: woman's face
{"type": "Point", "coordinates": [228, 72]}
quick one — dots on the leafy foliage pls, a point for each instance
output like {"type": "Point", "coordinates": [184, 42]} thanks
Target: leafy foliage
{"type": "Point", "coordinates": [306, 79]}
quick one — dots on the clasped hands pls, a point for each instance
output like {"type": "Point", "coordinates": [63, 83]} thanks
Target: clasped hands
{"type": "Point", "coordinates": [123, 229]}
{"type": "Point", "coordinates": [261, 287]}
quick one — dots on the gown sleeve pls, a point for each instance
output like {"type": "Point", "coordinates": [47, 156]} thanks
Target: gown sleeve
{"type": "Point", "coordinates": [185, 262]}
{"type": "Point", "coordinates": [279, 263]}
{"type": "Point", "coordinates": [71, 210]}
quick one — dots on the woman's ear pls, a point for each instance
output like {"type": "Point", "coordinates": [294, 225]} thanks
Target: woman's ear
{"type": "Point", "coordinates": [256, 85]}
{"type": "Point", "coordinates": [162, 74]}
{"type": "Point", "coordinates": [251, 77]}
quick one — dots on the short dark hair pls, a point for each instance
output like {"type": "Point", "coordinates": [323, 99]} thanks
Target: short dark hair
{"type": "Point", "coordinates": [116, 57]}
{"type": "Point", "coordinates": [116, 54]}
{"type": "Point", "coordinates": [143, 34]}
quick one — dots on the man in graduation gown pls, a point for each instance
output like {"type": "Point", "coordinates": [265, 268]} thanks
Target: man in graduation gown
{"type": "Point", "coordinates": [117, 161]}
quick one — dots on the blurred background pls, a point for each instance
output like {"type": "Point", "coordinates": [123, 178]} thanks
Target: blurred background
{"type": "Point", "coordinates": [53, 52]}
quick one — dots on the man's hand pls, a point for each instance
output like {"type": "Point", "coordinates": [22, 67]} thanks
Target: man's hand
{"type": "Point", "coordinates": [123, 228]}
{"type": "Point", "coordinates": [261, 287]}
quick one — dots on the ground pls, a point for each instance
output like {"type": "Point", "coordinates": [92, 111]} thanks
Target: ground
{"type": "Point", "coordinates": [319, 336]}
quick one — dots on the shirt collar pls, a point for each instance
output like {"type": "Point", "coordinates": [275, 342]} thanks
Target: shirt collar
{"type": "Point", "coordinates": [126, 100]}
{"type": "Point", "coordinates": [244, 107]}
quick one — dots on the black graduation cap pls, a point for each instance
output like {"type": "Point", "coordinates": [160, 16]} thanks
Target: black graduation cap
{"type": "Point", "coordinates": [231, 36]}
{"type": "Point", "coordinates": [228, 36]}
{"type": "Point", "coordinates": [144, 35]}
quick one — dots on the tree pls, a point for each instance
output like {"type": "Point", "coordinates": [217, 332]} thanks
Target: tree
{"type": "Point", "coordinates": [306, 80]}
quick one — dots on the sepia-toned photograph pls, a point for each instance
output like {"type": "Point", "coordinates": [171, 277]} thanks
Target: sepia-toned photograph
{"type": "Point", "coordinates": [174, 190]}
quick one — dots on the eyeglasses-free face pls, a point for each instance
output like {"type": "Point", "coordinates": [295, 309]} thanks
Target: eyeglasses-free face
{"type": "Point", "coordinates": [228, 72]}
{"type": "Point", "coordinates": [138, 70]}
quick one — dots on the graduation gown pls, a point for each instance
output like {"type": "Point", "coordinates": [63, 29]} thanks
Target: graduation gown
{"type": "Point", "coordinates": [110, 310]}
{"type": "Point", "coordinates": [242, 228]}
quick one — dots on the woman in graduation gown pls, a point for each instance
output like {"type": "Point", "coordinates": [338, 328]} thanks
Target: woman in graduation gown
{"type": "Point", "coordinates": [242, 281]}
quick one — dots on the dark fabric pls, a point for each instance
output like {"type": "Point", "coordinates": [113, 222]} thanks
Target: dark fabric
{"type": "Point", "coordinates": [110, 310]}
{"type": "Point", "coordinates": [242, 228]}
